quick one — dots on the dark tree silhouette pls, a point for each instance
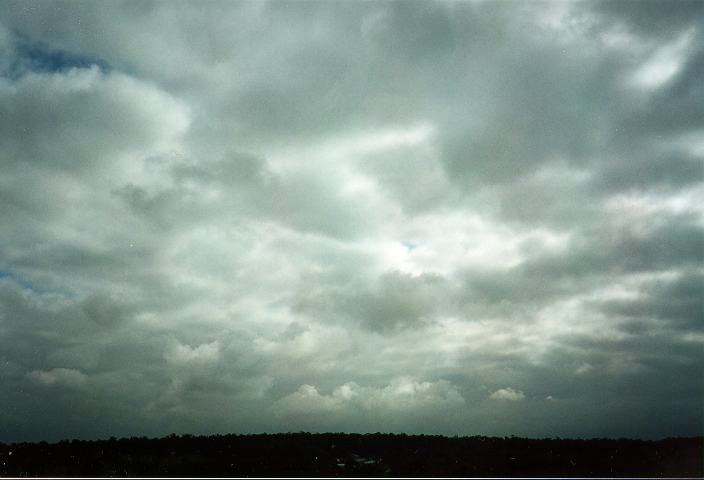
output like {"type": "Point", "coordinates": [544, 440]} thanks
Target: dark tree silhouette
{"type": "Point", "coordinates": [355, 455]}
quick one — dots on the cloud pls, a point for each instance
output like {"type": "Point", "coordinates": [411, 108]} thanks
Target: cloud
{"type": "Point", "coordinates": [389, 405]}
{"type": "Point", "coordinates": [103, 310]}
{"type": "Point", "coordinates": [207, 352]}
{"type": "Point", "coordinates": [664, 64]}
{"type": "Point", "coordinates": [672, 301]}
{"type": "Point", "coordinates": [57, 110]}
{"type": "Point", "coordinates": [395, 301]}
{"type": "Point", "coordinates": [508, 394]}
{"type": "Point", "coordinates": [58, 376]}
{"type": "Point", "coordinates": [363, 220]}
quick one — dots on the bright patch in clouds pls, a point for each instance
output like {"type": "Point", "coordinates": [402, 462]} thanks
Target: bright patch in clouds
{"type": "Point", "coordinates": [665, 62]}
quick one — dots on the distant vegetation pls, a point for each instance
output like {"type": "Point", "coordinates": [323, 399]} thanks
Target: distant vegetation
{"type": "Point", "coordinates": [352, 455]}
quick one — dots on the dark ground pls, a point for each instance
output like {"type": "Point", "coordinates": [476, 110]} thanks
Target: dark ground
{"type": "Point", "coordinates": [333, 455]}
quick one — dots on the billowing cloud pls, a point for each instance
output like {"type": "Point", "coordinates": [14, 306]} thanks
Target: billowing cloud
{"type": "Point", "coordinates": [507, 393]}
{"type": "Point", "coordinates": [405, 216]}
{"type": "Point", "coordinates": [387, 408]}
{"type": "Point", "coordinates": [400, 394]}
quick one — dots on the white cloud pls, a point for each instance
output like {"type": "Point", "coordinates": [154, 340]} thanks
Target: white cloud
{"type": "Point", "coordinates": [508, 394]}
{"type": "Point", "coordinates": [584, 368]}
{"type": "Point", "coordinates": [665, 63]}
{"type": "Point", "coordinates": [400, 395]}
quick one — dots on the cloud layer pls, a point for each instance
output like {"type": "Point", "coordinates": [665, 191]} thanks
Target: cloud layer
{"type": "Point", "coordinates": [457, 218]}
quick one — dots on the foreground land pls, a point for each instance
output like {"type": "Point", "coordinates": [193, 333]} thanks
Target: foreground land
{"type": "Point", "coordinates": [351, 455]}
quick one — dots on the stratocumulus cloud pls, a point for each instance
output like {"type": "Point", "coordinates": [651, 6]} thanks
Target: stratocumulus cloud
{"type": "Point", "coordinates": [421, 217]}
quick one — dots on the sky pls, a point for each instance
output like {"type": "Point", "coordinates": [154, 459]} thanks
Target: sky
{"type": "Point", "coordinates": [458, 218]}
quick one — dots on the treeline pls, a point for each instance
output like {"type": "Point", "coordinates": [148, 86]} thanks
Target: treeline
{"type": "Point", "coordinates": [355, 455]}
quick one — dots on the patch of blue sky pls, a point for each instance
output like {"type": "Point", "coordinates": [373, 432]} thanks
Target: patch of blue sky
{"type": "Point", "coordinates": [409, 246]}
{"type": "Point", "coordinates": [47, 289]}
{"type": "Point", "coordinates": [39, 57]}
{"type": "Point", "coordinates": [17, 280]}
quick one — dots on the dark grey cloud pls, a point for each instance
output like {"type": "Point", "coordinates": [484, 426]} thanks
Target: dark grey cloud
{"type": "Point", "coordinates": [650, 17]}
{"type": "Point", "coordinates": [394, 301]}
{"type": "Point", "coordinates": [674, 303]}
{"type": "Point", "coordinates": [438, 217]}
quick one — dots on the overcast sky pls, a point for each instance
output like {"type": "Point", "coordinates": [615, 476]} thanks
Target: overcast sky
{"type": "Point", "coordinates": [474, 218]}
